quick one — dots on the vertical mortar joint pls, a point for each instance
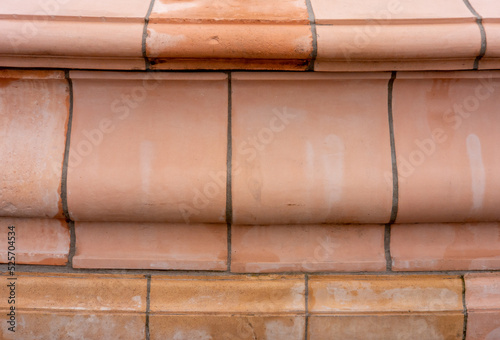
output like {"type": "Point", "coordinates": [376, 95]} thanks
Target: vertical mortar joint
{"type": "Point", "coordinates": [312, 22]}
{"type": "Point", "coordinates": [395, 180]}
{"type": "Point", "coordinates": [145, 35]}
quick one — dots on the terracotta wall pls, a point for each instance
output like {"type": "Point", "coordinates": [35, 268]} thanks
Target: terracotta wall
{"type": "Point", "coordinates": [158, 187]}
{"type": "Point", "coordinates": [278, 173]}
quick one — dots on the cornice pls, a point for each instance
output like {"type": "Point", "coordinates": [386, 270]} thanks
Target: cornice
{"type": "Point", "coordinates": [383, 35]}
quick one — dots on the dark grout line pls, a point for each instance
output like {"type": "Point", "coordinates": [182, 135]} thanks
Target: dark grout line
{"type": "Point", "coordinates": [48, 269]}
{"type": "Point", "coordinates": [312, 21]}
{"type": "Point", "coordinates": [306, 328]}
{"type": "Point", "coordinates": [64, 176]}
{"type": "Point", "coordinates": [72, 244]}
{"type": "Point", "coordinates": [229, 155]}
{"type": "Point", "coordinates": [387, 247]}
{"type": "Point", "coordinates": [229, 247]}
{"type": "Point", "coordinates": [483, 43]}
{"type": "Point", "coordinates": [479, 21]}
{"type": "Point", "coordinates": [395, 180]}
{"type": "Point", "coordinates": [145, 35]}
{"type": "Point", "coordinates": [229, 164]}
{"type": "Point", "coordinates": [465, 308]}
{"type": "Point", "coordinates": [148, 306]}
{"type": "Point", "coordinates": [62, 69]}
{"type": "Point", "coordinates": [201, 70]}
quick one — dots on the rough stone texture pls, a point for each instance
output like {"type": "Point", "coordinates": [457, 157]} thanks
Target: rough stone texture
{"type": "Point", "coordinates": [228, 307]}
{"type": "Point", "coordinates": [215, 306]}
{"type": "Point", "coordinates": [384, 293]}
{"type": "Point", "coordinates": [235, 294]}
{"type": "Point", "coordinates": [380, 326]}
{"type": "Point", "coordinates": [482, 296]}
{"type": "Point", "coordinates": [55, 306]}
{"type": "Point", "coordinates": [187, 327]}
{"type": "Point", "coordinates": [385, 307]}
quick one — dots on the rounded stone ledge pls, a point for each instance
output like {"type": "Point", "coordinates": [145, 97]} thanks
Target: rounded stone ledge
{"type": "Point", "coordinates": [108, 44]}
{"type": "Point", "coordinates": [381, 35]}
{"type": "Point", "coordinates": [453, 246]}
{"type": "Point", "coordinates": [35, 241]}
{"type": "Point", "coordinates": [150, 246]}
{"type": "Point", "coordinates": [385, 35]}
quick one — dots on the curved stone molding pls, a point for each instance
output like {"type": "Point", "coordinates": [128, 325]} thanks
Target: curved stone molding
{"type": "Point", "coordinates": [307, 248]}
{"type": "Point", "coordinates": [453, 246]}
{"type": "Point", "coordinates": [490, 14]}
{"type": "Point", "coordinates": [72, 34]}
{"type": "Point", "coordinates": [153, 246]}
{"type": "Point", "coordinates": [446, 141]}
{"type": "Point", "coordinates": [34, 112]}
{"type": "Point", "coordinates": [303, 152]}
{"type": "Point", "coordinates": [382, 35]}
{"type": "Point", "coordinates": [148, 147]}
{"type": "Point", "coordinates": [256, 34]}
{"type": "Point", "coordinates": [306, 148]}
{"type": "Point", "coordinates": [395, 35]}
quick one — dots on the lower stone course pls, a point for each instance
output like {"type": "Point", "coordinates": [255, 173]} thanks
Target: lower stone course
{"type": "Point", "coordinates": [224, 306]}
{"type": "Point", "coordinates": [482, 296]}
